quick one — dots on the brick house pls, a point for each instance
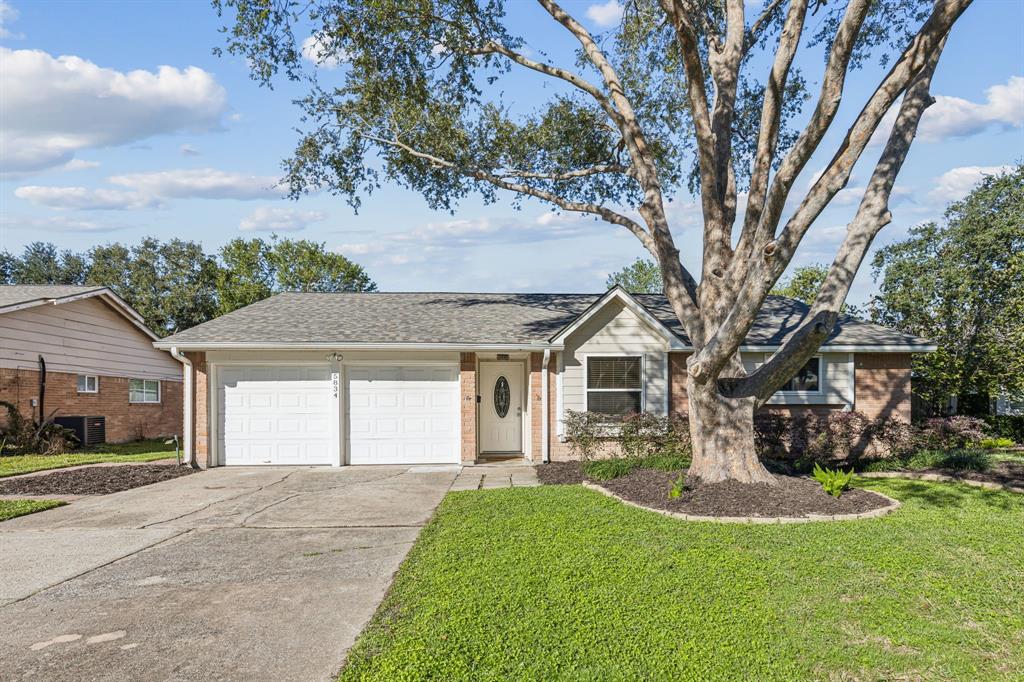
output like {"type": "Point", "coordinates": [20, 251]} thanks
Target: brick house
{"type": "Point", "coordinates": [98, 356]}
{"type": "Point", "coordinates": [440, 378]}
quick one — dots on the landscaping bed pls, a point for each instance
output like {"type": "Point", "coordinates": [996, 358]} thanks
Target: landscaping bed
{"type": "Point", "coordinates": [793, 496]}
{"type": "Point", "coordinates": [136, 451]}
{"type": "Point", "coordinates": [93, 480]}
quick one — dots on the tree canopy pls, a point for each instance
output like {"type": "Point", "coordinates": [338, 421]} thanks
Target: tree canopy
{"type": "Point", "coordinates": [680, 96]}
{"type": "Point", "coordinates": [642, 276]}
{"type": "Point", "coordinates": [960, 283]}
{"type": "Point", "coordinates": [175, 285]}
{"type": "Point", "coordinates": [804, 285]}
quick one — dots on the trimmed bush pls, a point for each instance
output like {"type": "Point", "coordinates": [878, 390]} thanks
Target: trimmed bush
{"type": "Point", "coordinates": [1006, 426]}
{"type": "Point", "coordinates": [996, 443]}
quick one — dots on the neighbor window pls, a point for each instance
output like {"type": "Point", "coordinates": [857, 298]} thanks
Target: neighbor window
{"type": "Point", "coordinates": [143, 391]}
{"type": "Point", "coordinates": [88, 383]}
{"type": "Point", "coordinates": [808, 379]}
{"type": "Point", "coordinates": [614, 385]}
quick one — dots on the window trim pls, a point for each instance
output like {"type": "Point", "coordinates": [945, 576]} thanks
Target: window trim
{"type": "Point", "coordinates": [159, 392]}
{"type": "Point", "coordinates": [586, 379]}
{"type": "Point", "coordinates": [821, 380]}
{"type": "Point", "coordinates": [94, 377]}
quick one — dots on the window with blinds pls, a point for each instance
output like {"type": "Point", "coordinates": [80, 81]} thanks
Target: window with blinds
{"type": "Point", "coordinates": [615, 385]}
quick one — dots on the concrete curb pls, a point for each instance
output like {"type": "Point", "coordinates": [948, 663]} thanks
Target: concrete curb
{"type": "Point", "coordinates": [873, 514]}
{"type": "Point", "coordinates": [941, 478]}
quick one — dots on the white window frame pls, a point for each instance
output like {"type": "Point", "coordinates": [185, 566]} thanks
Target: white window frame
{"type": "Point", "coordinates": [821, 380]}
{"type": "Point", "coordinates": [95, 383]}
{"type": "Point", "coordinates": [586, 378]}
{"type": "Point", "coordinates": [159, 392]}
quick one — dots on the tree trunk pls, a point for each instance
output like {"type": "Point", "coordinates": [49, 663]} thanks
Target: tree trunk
{"type": "Point", "coordinates": [722, 430]}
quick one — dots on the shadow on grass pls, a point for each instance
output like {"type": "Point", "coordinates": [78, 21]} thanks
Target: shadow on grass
{"type": "Point", "coordinates": [946, 495]}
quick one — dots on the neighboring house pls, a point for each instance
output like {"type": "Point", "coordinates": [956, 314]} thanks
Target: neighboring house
{"type": "Point", "coordinates": [1007, 405]}
{"type": "Point", "coordinates": [416, 378]}
{"type": "Point", "coordinates": [99, 360]}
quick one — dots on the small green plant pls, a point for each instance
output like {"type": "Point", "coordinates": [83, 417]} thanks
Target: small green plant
{"type": "Point", "coordinates": [834, 481]}
{"type": "Point", "coordinates": [678, 486]}
{"type": "Point", "coordinates": [996, 443]}
{"type": "Point", "coordinates": [607, 469]}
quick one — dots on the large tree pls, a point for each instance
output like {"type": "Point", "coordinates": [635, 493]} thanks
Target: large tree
{"type": "Point", "coordinates": [960, 283]}
{"type": "Point", "coordinates": [678, 96]}
{"type": "Point", "coordinates": [642, 276]}
{"type": "Point", "coordinates": [804, 285]}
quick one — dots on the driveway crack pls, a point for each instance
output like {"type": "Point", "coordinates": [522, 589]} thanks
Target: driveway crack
{"type": "Point", "coordinates": [216, 502]}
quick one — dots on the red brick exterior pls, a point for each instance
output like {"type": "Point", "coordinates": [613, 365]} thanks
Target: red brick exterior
{"type": "Point", "coordinates": [678, 403]}
{"type": "Point", "coordinates": [468, 392]}
{"type": "Point", "coordinates": [124, 421]}
{"type": "Point", "coordinates": [200, 409]}
{"type": "Point", "coordinates": [882, 385]}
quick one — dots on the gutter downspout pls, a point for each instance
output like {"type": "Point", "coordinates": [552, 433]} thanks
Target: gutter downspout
{"type": "Point", "coordinates": [187, 401]}
{"type": "Point", "coordinates": [545, 416]}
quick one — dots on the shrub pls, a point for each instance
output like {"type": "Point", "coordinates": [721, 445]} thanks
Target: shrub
{"type": "Point", "coordinates": [584, 432]}
{"type": "Point", "coordinates": [833, 481]}
{"type": "Point", "coordinates": [953, 460]}
{"type": "Point", "coordinates": [607, 469]}
{"type": "Point", "coordinates": [1006, 426]}
{"type": "Point", "coordinates": [24, 436]}
{"type": "Point", "coordinates": [678, 486]}
{"type": "Point", "coordinates": [950, 433]}
{"type": "Point", "coordinates": [996, 443]}
{"type": "Point", "coordinates": [636, 436]}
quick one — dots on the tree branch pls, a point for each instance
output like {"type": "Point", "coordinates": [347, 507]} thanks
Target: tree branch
{"type": "Point", "coordinates": [569, 175]}
{"type": "Point", "coordinates": [872, 215]}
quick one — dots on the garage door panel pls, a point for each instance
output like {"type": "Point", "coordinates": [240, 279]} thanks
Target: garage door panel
{"type": "Point", "coordinates": [275, 415]}
{"type": "Point", "coordinates": [403, 414]}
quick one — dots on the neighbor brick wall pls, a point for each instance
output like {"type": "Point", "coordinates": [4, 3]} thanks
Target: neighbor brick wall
{"type": "Point", "coordinates": [124, 421]}
{"type": "Point", "coordinates": [468, 392]}
{"type": "Point", "coordinates": [200, 409]}
{"type": "Point", "coordinates": [882, 385]}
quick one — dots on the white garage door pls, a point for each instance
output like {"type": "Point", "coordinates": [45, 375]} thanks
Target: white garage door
{"type": "Point", "coordinates": [403, 414]}
{"type": "Point", "coordinates": [275, 415]}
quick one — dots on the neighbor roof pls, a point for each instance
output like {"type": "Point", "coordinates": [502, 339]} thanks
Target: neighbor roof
{"type": "Point", "coordinates": [340, 319]}
{"type": "Point", "coordinates": [20, 296]}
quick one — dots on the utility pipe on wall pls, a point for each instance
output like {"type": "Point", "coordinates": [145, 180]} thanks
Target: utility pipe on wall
{"type": "Point", "coordinates": [545, 415]}
{"type": "Point", "coordinates": [187, 402]}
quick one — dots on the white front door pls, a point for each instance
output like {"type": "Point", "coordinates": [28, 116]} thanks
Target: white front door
{"type": "Point", "coordinates": [403, 414]}
{"type": "Point", "coordinates": [274, 414]}
{"type": "Point", "coordinates": [501, 406]}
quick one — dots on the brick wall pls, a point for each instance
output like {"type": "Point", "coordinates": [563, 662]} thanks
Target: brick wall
{"type": "Point", "coordinates": [200, 409]}
{"type": "Point", "coordinates": [124, 421]}
{"type": "Point", "coordinates": [468, 391]}
{"type": "Point", "coordinates": [882, 385]}
{"type": "Point", "coordinates": [677, 401]}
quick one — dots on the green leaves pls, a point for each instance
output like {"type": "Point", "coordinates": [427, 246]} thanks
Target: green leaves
{"type": "Point", "coordinates": [834, 481]}
{"type": "Point", "coordinates": [643, 276]}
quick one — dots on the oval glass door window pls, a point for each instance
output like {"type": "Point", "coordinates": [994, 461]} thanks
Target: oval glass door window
{"type": "Point", "coordinates": [502, 397]}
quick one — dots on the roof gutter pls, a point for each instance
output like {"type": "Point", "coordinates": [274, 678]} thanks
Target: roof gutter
{"type": "Point", "coordinates": [545, 447]}
{"type": "Point", "coordinates": [187, 401]}
{"type": "Point", "coordinates": [467, 347]}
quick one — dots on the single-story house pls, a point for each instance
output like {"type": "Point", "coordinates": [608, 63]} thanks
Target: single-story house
{"type": "Point", "coordinates": [97, 359]}
{"type": "Point", "coordinates": [439, 378]}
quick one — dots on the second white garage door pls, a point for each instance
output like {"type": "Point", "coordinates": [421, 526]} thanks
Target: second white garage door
{"type": "Point", "coordinates": [405, 414]}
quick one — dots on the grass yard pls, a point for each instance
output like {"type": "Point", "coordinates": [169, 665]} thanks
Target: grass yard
{"type": "Point", "coordinates": [138, 451]}
{"type": "Point", "coordinates": [12, 508]}
{"type": "Point", "coordinates": [559, 582]}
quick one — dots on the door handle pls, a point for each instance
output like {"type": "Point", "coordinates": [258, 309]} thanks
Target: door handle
{"type": "Point", "coordinates": [519, 411]}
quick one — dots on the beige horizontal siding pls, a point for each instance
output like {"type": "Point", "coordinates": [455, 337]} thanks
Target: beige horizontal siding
{"type": "Point", "coordinates": [837, 387]}
{"type": "Point", "coordinates": [615, 330]}
{"type": "Point", "coordinates": [82, 337]}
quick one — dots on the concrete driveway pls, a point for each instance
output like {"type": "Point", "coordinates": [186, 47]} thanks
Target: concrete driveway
{"type": "Point", "coordinates": [230, 574]}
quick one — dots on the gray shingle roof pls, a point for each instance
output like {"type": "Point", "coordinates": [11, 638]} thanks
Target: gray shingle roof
{"type": "Point", "coordinates": [461, 318]}
{"type": "Point", "coordinates": [16, 294]}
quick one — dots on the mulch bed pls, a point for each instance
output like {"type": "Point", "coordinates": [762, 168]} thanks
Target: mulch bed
{"type": "Point", "coordinates": [795, 496]}
{"type": "Point", "coordinates": [93, 480]}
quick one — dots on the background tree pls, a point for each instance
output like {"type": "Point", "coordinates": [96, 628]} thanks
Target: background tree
{"type": "Point", "coordinates": [961, 284]}
{"type": "Point", "coordinates": [629, 121]}
{"type": "Point", "coordinates": [175, 285]}
{"type": "Point", "coordinates": [804, 285]}
{"type": "Point", "coordinates": [643, 276]}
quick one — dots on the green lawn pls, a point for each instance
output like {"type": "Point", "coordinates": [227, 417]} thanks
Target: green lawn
{"type": "Point", "coordinates": [559, 582]}
{"type": "Point", "coordinates": [11, 508]}
{"type": "Point", "coordinates": [138, 451]}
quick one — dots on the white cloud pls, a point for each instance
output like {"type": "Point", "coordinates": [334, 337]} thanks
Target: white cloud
{"type": "Point", "coordinates": [317, 50]}
{"type": "Point", "coordinates": [54, 107]}
{"type": "Point", "coordinates": [189, 150]}
{"type": "Point", "coordinates": [279, 219]}
{"type": "Point", "coordinates": [201, 183]}
{"type": "Point", "coordinates": [58, 223]}
{"type": "Point", "coordinates": [957, 183]}
{"type": "Point", "coordinates": [80, 164]}
{"type": "Point", "coordinates": [82, 198]}
{"type": "Point", "coordinates": [955, 117]}
{"type": "Point", "coordinates": [8, 15]}
{"type": "Point", "coordinates": [605, 15]}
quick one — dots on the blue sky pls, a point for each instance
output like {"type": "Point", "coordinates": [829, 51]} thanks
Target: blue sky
{"type": "Point", "coordinates": [117, 122]}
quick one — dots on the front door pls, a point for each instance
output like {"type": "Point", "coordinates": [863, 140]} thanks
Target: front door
{"type": "Point", "coordinates": [501, 406]}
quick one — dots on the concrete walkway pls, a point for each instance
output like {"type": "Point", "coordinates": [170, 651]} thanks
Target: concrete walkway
{"type": "Point", "coordinates": [241, 573]}
{"type": "Point", "coordinates": [501, 475]}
